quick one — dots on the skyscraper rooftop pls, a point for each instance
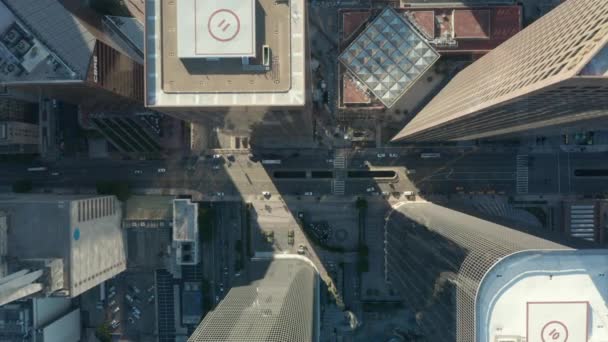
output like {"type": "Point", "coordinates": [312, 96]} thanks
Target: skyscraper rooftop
{"type": "Point", "coordinates": [389, 56]}
{"type": "Point", "coordinates": [281, 305]}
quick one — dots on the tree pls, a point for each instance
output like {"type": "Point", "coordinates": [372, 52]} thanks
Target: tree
{"type": "Point", "coordinates": [22, 186]}
{"type": "Point", "coordinates": [361, 203]}
{"type": "Point", "coordinates": [103, 333]}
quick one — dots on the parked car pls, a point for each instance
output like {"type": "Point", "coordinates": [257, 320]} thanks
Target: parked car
{"type": "Point", "coordinates": [308, 193]}
{"type": "Point", "coordinates": [151, 299]}
{"type": "Point", "coordinates": [162, 170]}
{"type": "Point", "coordinates": [129, 298]}
{"type": "Point", "coordinates": [114, 324]}
{"type": "Point", "coordinates": [393, 155]}
{"type": "Point", "coordinates": [381, 155]}
{"type": "Point", "coordinates": [138, 172]}
{"type": "Point", "coordinates": [116, 310]}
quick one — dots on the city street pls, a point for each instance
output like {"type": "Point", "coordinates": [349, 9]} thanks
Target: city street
{"type": "Point", "coordinates": [452, 172]}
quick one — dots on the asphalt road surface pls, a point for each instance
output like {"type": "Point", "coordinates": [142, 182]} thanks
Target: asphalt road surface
{"type": "Point", "coordinates": [452, 172]}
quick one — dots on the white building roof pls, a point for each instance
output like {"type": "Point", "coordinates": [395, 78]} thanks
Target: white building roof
{"type": "Point", "coordinates": [212, 29]}
{"type": "Point", "coordinates": [389, 56]}
{"type": "Point", "coordinates": [544, 296]}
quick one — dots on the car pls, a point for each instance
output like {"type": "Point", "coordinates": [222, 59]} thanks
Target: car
{"type": "Point", "coordinates": [161, 170]}
{"type": "Point", "coordinates": [135, 310]}
{"type": "Point", "coordinates": [330, 161]}
{"type": "Point", "coordinates": [129, 298]}
{"type": "Point", "coordinates": [138, 172]}
{"type": "Point", "coordinates": [385, 193]}
{"type": "Point", "coordinates": [231, 158]}
{"type": "Point", "coordinates": [370, 189]}
{"type": "Point", "coordinates": [217, 156]}
{"type": "Point", "coordinates": [301, 249]}
{"type": "Point", "coordinates": [116, 310]}
{"type": "Point", "coordinates": [134, 289]}
{"type": "Point", "coordinates": [237, 274]}
{"type": "Point", "coordinates": [216, 167]}
{"type": "Point", "coordinates": [150, 289]}
{"type": "Point", "coordinates": [111, 295]}
{"type": "Point", "coordinates": [217, 299]}
{"type": "Point", "coordinates": [266, 194]}
{"type": "Point", "coordinates": [112, 288]}
{"type": "Point", "coordinates": [393, 155]}
{"type": "Point", "coordinates": [99, 305]}
{"type": "Point", "coordinates": [55, 174]}
{"type": "Point", "coordinates": [411, 171]}
{"type": "Point", "coordinates": [459, 188]}
{"type": "Point", "coordinates": [219, 194]}
{"type": "Point", "coordinates": [136, 314]}
{"type": "Point", "coordinates": [408, 193]}
{"type": "Point", "coordinates": [381, 155]}
{"type": "Point", "coordinates": [308, 193]}
{"type": "Point", "coordinates": [151, 299]}
{"type": "Point", "coordinates": [114, 324]}
{"type": "Point", "coordinates": [221, 289]}
{"type": "Point", "coordinates": [112, 303]}
{"type": "Point", "coordinates": [131, 320]}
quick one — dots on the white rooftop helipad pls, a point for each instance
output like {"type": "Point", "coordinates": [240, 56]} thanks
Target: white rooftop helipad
{"type": "Point", "coordinates": [216, 29]}
{"type": "Point", "coordinates": [544, 296]}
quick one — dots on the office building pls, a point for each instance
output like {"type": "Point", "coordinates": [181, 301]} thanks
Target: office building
{"type": "Point", "coordinates": [551, 75]}
{"type": "Point", "coordinates": [59, 245]}
{"type": "Point", "coordinates": [55, 49]}
{"type": "Point", "coordinates": [18, 137]}
{"type": "Point", "coordinates": [40, 320]}
{"type": "Point", "coordinates": [280, 304]}
{"type": "Point", "coordinates": [388, 57]}
{"type": "Point", "coordinates": [185, 232]}
{"type": "Point", "coordinates": [234, 54]}
{"type": "Point", "coordinates": [468, 279]}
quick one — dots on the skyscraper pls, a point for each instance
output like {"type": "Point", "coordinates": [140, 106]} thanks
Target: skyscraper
{"type": "Point", "coordinates": [50, 50]}
{"type": "Point", "coordinates": [280, 304]}
{"type": "Point", "coordinates": [468, 279]}
{"type": "Point", "coordinates": [551, 74]}
{"type": "Point", "coordinates": [58, 245]}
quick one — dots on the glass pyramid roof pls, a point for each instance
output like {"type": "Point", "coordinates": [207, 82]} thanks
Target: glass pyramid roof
{"type": "Point", "coordinates": [389, 56]}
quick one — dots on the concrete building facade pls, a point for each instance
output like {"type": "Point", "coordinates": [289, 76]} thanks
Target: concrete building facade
{"type": "Point", "coordinates": [552, 74]}
{"type": "Point", "coordinates": [467, 279]}
{"type": "Point", "coordinates": [60, 245]}
{"type": "Point", "coordinates": [281, 303]}
{"type": "Point", "coordinates": [56, 49]}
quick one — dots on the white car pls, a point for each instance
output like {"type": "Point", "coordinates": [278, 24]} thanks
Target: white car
{"type": "Point", "coordinates": [138, 172]}
{"type": "Point", "coordinates": [381, 155]}
{"type": "Point", "coordinates": [116, 309]}
{"type": "Point", "coordinates": [162, 170]}
{"type": "Point", "coordinates": [114, 324]}
{"type": "Point", "coordinates": [308, 193]}
{"type": "Point", "coordinates": [330, 161]}
{"type": "Point", "coordinates": [301, 249]}
{"type": "Point", "coordinates": [219, 194]}
{"type": "Point", "coordinates": [393, 155]}
{"type": "Point", "coordinates": [217, 156]}
{"type": "Point", "coordinates": [370, 189]}
{"type": "Point", "coordinates": [216, 167]}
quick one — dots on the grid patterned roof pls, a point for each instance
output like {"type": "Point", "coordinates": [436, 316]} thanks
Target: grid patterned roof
{"type": "Point", "coordinates": [389, 56]}
{"type": "Point", "coordinates": [278, 307]}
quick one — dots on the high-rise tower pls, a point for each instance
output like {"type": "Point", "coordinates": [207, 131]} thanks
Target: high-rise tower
{"type": "Point", "coordinates": [551, 74]}
{"type": "Point", "coordinates": [468, 279]}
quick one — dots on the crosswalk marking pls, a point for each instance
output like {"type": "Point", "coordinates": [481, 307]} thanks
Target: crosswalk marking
{"type": "Point", "coordinates": [521, 174]}
{"type": "Point", "coordinates": [340, 162]}
{"type": "Point", "coordinates": [338, 187]}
